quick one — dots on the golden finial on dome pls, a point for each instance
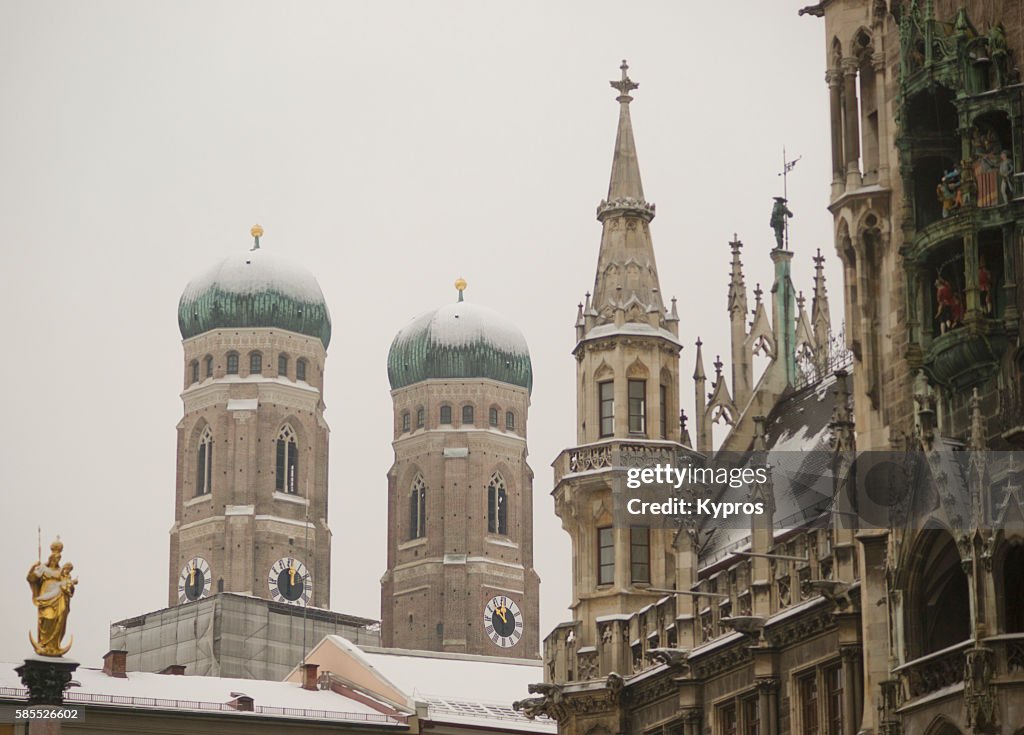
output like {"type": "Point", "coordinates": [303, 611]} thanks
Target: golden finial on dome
{"type": "Point", "coordinates": [257, 233]}
{"type": "Point", "coordinates": [460, 286]}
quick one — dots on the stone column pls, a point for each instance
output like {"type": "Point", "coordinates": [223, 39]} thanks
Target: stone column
{"type": "Point", "coordinates": [834, 78]}
{"type": "Point", "coordinates": [851, 689]}
{"type": "Point", "coordinates": [878, 65]}
{"type": "Point", "coordinates": [767, 705]}
{"type": "Point", "coordinates": [691, 722]}
{"type": "Point", "coordinates": [851, 127]}
{"type": "Point", "coordinates": [973, 305]}
{"type": "Point", "coordinates": [1011, 315]}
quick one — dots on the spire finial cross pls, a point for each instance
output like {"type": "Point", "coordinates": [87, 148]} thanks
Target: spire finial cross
{"type": "Point", "coordinates": [624, 85]}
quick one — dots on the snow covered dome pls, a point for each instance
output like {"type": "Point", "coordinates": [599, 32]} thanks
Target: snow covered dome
{"type": "Point", "coordinates": [255, 289]}
{"type": "Point", "coordinates": [460, 340]}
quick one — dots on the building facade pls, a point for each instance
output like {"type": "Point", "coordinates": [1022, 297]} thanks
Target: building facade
{"type": "Point", "coordinates": [880, 593]}
{"type": "Point", "coordinates": [460, 574]}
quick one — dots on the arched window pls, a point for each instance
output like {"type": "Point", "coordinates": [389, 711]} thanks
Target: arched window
{"type": "Point", "coordinates": [421, 417]}
{"type": "Point", "coordinates": [204, 463]}
{"type": "Point", "coordinates": [467, 414]}
{"type": "Point", "coordinates": [194, 371]}
{"type": "Point", "coordinates": [418, 508]}
{"type": "Point", "coordinates": [446, 414]}
{"type": "Point", "coordinates": [300, 369]}
{"type": "Point", "coordinates": [232, 363]}
{"type": "Point", "coordinates": [492, 416]}
{"type": "Point", "coordinates": [510, 421]}
{"type": "Point", "coordinates": [406, 422]}
{"type": "Point", "coordinates": [255, 363]}
{"type": "Point", "coordinates": [940, 611]}
{"type": "Point", "coordinates": [282, 365]}
{"type": "Point", "coordinates": [209, 365]}
{"type": "Point", "coordinates": [287, 477]}
{"type": "Point", "coordinates": [497, 505]}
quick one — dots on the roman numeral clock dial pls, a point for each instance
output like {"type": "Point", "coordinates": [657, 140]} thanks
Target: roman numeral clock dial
{"type": "Point", "coordinates": [194, 580]}
{"type": "Point", "coordinates": [290, 582]}
{"type": "Point", "coordinates": [503, 621]}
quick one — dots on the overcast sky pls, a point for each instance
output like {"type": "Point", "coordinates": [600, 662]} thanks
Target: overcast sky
{"type": "Point", "coordinates": [390, 147]}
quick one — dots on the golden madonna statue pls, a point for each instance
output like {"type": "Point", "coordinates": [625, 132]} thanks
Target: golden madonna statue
{"type": "Point", "coordinates": [52, 589]}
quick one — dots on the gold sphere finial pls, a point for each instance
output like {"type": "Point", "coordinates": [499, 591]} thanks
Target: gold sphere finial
{"type": "Point", "coordinates": [460, 286]}
{"type": "Point", "coordinates": [256, 231]}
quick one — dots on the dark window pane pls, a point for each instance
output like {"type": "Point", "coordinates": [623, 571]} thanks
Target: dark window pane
{"type": "Point", "coordinates": [467, 415]}
{"type": "Point", "coordinates": [637, 406]}
{"type": "Point", "coordinates": [663, 412]}
{"type": "Point", "coordinates": [606, 393]}
{"type": "Point", "coordinates": [492, 417]}
{"type": "Point", "coordinates": [233, 363]}
{"type": "Point", "coordinates": [280, 465]}
{"type": "Point", "coordinates": [420, 417]}
{"type": "Point", "coordinates": [446, 414]}
{"type": "Point", "coordinates": [293, 468]}
{"type": "Point", "coordinates": [201, 469]}
{"type": "Point", "coordinates": [640, 555]}
{"type": "Point", "coordinates": [300, 370]}
{"type": "Point", "coordinates": [405, 421]}
{"type": "Point", "coordinates": [510, 421]}
{"type": "Point", "coordinates": [195, 371]}
{"type": "Point", "coordinates": [605, 556]}
{"type": "Point", "coordinates": [809, 705]}
{"type": "Point", "coordinates": [282, 365]}
{"type": "Point", "coordinates": [255, 363]}
{"type": "Point", "coordinates": [209, 366]}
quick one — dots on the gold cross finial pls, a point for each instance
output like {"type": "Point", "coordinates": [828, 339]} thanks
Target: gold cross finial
{"type": "Point", "coordinates": [624, 85]}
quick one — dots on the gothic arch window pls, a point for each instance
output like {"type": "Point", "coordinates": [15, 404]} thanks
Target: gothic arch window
{"type": "Point", "coordinates": [255, 363]}
{"type": "Point", "coordinates": [194, 371]}
{"type": "Point", "coordinates": [300, 369]}
{"type": "Point", "coordinates": [232, 363]}
{"type": "Point", "coordinates": [939, 612]}
{"type": "Point", "coordinates": [446, 414]}
{"type": "Point", "coordinates": [467, 414]}
{"type": "Point", "coordinates": [510, 420]}
{"type": "Point", "coordinates": [1012, 589]}
{"type": "Point", "coordinates": [282, 365]}
{"type": "Point", "coordinates": [418, 508]}
{"type": "Point", "coordinates": [208, 360]}
{"type": "Point", "coordinates": [204, 463]}
{"type": "Point", "coordinates": [497, 505]}
{"type": "Point", "coordinates": [287, 462]}
{"type": "Point", "coordinates": [492, 414]}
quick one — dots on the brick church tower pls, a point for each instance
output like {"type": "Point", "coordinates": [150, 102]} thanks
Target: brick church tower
{"type": "Point", "coordinates": [460, 574]}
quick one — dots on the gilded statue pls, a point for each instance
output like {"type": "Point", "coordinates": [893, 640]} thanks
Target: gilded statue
{"type": "Point", "coordinates": [52, 589]}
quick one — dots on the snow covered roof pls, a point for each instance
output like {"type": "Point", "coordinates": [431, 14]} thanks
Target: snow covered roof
{"type": "Point", "coordinates": [457, 689]}
{"type": "Point", "coordinates": [255, 288]}
{"type": "Point", "coordinates": [206, 694]}
{"type": "Point", "coordinates": [460, 340]}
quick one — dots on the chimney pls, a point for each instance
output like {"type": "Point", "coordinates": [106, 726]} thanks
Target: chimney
{"type": "Point", "coordinates": [115, 663]}
{"type": "Point", "coordinates": [241, 702]}
{"type": "Point", "coordinates": [309, 676]}
{"type": "Point", "coordinates": [174, 670]}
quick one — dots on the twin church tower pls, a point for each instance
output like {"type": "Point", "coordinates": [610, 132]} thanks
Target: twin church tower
{"type": "Point", "coordinates": [251, 506]}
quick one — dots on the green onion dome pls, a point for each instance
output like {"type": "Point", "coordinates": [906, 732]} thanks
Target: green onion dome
{"type": "Point", "coordinates": [460, 340]}
{"type": "Point", "coordinates": [255, 289]}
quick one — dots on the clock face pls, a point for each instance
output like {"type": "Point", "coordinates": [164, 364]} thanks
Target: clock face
{"type": "Point", "coordinates": [503, 621]}
{"type": "Point", "coordinates": [194, 580]}
{"type": "Point", "coordinates": [290, 582]}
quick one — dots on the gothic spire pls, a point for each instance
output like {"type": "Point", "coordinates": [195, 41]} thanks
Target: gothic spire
{"type": "Point", "coordinates": [737, 286]}
{"type": "Point", "coordinates": [820, 318]}
{"type": "Point", "coordinates": [626, 287]}
{"type": "Point", "coordinates": [625, 180]}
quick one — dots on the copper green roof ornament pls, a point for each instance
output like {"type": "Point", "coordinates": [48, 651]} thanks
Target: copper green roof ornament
{"type": "Point", "coordinates": [257, 233]}
{"type": "Point", "coordinates": [460, 286]}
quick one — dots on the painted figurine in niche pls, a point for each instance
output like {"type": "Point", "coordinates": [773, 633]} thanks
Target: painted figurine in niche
{"type": "Point", "coordinates": [949, 312]}
{"type": "Point", "coordinates": [985, 287]}
{"type": "Point", "coordinates": [52, 589]}
{"type": "Point", "coordinates": [780, 212]}
{"type": "Point", "coordinates": [949, 193]}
